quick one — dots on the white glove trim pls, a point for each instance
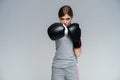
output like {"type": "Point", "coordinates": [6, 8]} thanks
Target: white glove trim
{"type": "Point", "coordinates": [66, 30]}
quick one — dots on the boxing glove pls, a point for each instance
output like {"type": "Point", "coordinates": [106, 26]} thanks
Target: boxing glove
{"type": "Point", "coordinates": [57, 31]}
{"type": "Point", "coordinates": [75, 34]}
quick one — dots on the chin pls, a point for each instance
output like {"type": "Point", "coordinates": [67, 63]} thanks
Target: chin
{"type": "Point", "coordinates": [67, 25]}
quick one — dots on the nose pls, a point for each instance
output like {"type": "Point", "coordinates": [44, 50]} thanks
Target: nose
{"type": "Point", "coordinates": [65, 21]}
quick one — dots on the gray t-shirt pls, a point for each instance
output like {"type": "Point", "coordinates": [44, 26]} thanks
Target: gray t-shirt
{"type": "Point", "coordinates": [64, 55]}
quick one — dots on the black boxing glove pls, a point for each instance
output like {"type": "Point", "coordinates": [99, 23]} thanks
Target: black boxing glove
{"type": "Point", "coordinates": [75, 34]}
{"type": "Point", "coordinates": [57, 31]}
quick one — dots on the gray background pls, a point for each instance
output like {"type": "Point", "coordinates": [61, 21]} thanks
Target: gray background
{"type": "Point", "coordinates": [26, 51]}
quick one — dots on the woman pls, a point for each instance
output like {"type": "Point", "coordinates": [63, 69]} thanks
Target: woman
{"type": "Point", "coordinates": [68, 45]}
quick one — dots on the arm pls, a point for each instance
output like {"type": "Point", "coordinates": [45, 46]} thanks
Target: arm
{"type": "Point", "coordinates": [77, 52]}
{"type": "Point", "coordinates": [75, 34]}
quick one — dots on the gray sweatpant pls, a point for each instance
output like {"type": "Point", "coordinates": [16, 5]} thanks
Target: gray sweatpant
{"type": "Point", "coordinates": [70, 73]}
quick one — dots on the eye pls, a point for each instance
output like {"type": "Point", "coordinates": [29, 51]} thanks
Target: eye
{"type": "Point", "coordinates": [62, 18]}
{"type": "Point", "coordinates": [67, 18]}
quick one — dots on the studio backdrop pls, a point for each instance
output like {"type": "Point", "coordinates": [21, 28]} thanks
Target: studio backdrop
{"type": "Point", "coordinates": [26, 51]}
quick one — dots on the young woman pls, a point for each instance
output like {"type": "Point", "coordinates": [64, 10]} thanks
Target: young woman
{"type": "Point", "coordinates": [68, 45]}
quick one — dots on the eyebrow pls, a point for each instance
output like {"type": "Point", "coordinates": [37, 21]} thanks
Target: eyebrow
{"type": "Point", "coordinates": [64, 18]}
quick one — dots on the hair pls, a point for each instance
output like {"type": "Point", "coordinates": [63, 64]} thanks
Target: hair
{"type": "Point", "coordinates": [66, 9]}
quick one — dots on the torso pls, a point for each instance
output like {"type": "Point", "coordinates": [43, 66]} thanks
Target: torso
{"type": "Point", "coordinates": [64, 55]}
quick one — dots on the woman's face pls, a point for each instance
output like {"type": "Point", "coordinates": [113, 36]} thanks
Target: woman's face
{"type": "Point", "coordinates": [66, 20]}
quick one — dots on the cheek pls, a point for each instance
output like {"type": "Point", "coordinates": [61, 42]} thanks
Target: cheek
{"type": "Point", "coordinates": [69, 22]}
{"type": "Point", "coordinates": [61, 21]}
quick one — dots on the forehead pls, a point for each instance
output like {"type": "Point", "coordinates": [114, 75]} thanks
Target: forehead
{"type": "Point", "coordinates": [66, 16]}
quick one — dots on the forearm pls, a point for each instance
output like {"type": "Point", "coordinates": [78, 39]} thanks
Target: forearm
{"type": "Point", "coordinates": [77, 52]}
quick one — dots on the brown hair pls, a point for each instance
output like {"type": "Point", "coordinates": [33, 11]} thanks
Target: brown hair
{"type": "Point", "coordinates": [66, 9]}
